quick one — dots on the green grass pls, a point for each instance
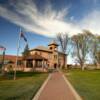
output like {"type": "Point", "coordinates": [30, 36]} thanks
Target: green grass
{"type": "Point", "coordinates": [23, 88]}
{"type": "Point", "coordinates": [86, 83]}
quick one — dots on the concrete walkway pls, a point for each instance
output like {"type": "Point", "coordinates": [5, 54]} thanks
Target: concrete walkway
{"type": "Point", "coordinates": [56, 89]}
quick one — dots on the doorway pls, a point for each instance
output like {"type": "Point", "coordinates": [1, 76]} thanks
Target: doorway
{"type": "Point", "coordinates": [55, 66]}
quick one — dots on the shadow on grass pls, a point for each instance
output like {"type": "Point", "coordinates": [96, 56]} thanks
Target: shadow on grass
{"type": "Point", "coordinates": [19, 74]}
{"type": "Point", "coordinates": [23, 88]}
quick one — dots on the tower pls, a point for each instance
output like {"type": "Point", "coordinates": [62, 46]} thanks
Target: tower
{"type": "Point", "coordinates": [53, 46]}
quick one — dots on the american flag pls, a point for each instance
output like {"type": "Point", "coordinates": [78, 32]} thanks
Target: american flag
{"type": "Point", "coordinates": [2, 48]}
{"type": "Point", "coordinates": [22, 35]}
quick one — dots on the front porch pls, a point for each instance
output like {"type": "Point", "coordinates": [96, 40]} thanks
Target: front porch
{"type": "Point", "coordinates": [35, 63]}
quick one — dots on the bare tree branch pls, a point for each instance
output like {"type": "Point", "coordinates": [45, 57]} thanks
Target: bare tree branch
{"type": "Point", "coordinates": [63, 40]}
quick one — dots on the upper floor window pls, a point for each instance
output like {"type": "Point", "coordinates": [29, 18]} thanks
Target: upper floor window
{"type": "Point", "coordinates": [55, 56]}
{"type": "Point", "coordinates": [40, 53]}
{"type": "Point", "coordinates": [55, 48]}
{"type": "Point", "coordinates": [50, 48]}
{"type": "Point", "coordinates": [49, 56]}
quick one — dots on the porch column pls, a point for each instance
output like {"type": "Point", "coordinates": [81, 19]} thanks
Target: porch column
{"type": "Point", "coordinates": [33, 64]}
{"type": "Point", "coordinates": [25, 63]}
{"type": "Point", "coordinates": [43, 64]}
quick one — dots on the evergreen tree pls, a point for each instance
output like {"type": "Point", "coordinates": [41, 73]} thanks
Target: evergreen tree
{"type": "Point", "coordinates": [26, 51]}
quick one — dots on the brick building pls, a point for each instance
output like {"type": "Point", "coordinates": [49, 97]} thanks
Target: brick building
{"type": "Point", "coordinates": [44, 57]}
{"type": "Point", "coordinates": [9, 62]}
{"type": "Point", "coordinates": [41, 58]}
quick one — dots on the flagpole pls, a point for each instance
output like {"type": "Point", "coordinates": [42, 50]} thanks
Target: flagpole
{"type": "Point", "coordinates": [3, 59]}
{"type": "Point", "coordinates": [18, 46]}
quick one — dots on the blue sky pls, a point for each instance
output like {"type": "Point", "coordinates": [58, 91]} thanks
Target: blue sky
{"type": "Point", "coordinates": [41, 20]}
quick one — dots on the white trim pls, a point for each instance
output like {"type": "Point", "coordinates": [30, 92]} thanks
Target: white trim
{"type": "Point", "coordinates": [76, 95]}
{"type": "Point", "coordinates": [36, 97]}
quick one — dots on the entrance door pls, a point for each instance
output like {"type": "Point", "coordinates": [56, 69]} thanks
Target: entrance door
{"type": "Point", "coordinates": [55, 66]}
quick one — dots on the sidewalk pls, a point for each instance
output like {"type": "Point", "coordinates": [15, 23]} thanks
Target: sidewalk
{"type": "Point", "coordinates": [56, 89]}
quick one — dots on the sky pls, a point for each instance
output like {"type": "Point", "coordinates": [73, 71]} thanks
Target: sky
{"type": "Point", "coordinates": [41, 20]}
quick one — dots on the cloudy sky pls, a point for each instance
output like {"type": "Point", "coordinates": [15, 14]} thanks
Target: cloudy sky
{"type": "Point", "coordinates": [43, 19]}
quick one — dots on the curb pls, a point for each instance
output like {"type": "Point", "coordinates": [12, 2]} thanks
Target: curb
{"type": "Point", "coordinates": [72, 88]}
{"type": "Point", "coordinates": [36, 97]}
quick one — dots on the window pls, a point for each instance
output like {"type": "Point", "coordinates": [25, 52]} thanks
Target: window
{"type": "Point", "coordinates": [55, 56]}
{"type": "Point", "coordinates": [49, 56]}
{"type": "Point", "coordinates": [55, 48]}
{"type": "Point", "coordinates": [50, 48]}
{"type": "Point", "coordinates": [40, 53]}
{"type": "Point", "coordinates": [19, 62]}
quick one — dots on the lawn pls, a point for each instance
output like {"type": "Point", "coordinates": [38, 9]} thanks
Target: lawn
{"type": "Point", "coordinates": [24, 88]}
{"type": "Point", "coordinates": [86, 83]}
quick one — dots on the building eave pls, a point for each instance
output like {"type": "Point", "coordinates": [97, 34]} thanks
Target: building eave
{"type": "Point", "coordinates": [41, 50]}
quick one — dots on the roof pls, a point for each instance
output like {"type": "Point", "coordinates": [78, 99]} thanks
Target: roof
{"type": "Point", "coordinates": [61, 53]}
{"type": "Point", "coordinates": [11, 57]}
{"type": "Point", "coordinates": [41, 48]}
{"type": "Point", "coordinates": [53, 43]}
{"type": "Point", "coordinates": [35, 57]}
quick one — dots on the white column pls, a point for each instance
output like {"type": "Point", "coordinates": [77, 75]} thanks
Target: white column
{"type": "Point", "coordinates": [43, 64]}
{"type": "Point", "coordinates": [33, 64]}
{"type": "Point", "coordinates": [25, 63]}
{"type": "Point", "coordinates": [46, 66]}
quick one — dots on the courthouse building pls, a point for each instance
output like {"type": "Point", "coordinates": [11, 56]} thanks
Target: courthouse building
{"type": "Point", "coordinates": [44, 57]}
{"type": "Point", "coordinates": [40, 58]}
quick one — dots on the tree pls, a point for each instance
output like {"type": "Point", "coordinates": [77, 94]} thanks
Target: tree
{"type": "Point", "coordinates": [95, 49]}
{"type": "Point", "coordinates": [26, 51]}
{"type": "Point", "coordinates": [63, 40]}
{"type": "Point", "coordinates": [80, 44]}
{"type": "Point", "coordinates": [98, 59]}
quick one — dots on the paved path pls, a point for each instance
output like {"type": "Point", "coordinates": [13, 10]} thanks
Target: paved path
{"type": "Point", "coordinates": [56, 89]}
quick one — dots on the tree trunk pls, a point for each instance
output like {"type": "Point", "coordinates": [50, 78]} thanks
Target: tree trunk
{"type": "Point", "coordinates": [82, 66]}
{"type": "Point", "coordinates": [64, 64]}
{"type": "Point", "coordinates": [98, 65]}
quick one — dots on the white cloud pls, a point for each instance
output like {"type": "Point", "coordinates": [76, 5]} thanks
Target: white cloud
{"type": "Point", "coordinates": [48, 22]}
{"type": "Point", "coordinates": [91, 22]}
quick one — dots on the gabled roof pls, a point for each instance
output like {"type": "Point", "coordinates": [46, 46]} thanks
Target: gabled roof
{"type": "Point", "coordinates": [61, 53]}
{"type": "Point", "coordinates": [11, 58]}
{"type": "Point", "coordinates": [41, 48]}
